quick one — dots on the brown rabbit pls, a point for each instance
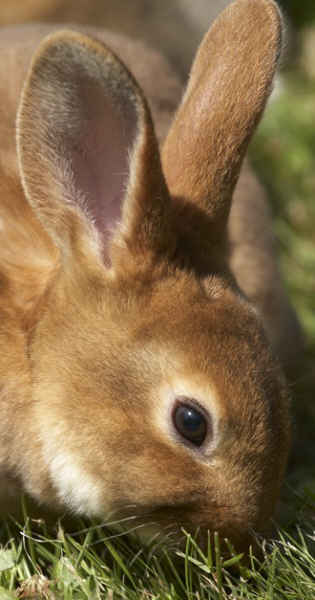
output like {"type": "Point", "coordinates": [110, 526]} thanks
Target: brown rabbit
{"type": "Point", "coordinates": [135, 376]}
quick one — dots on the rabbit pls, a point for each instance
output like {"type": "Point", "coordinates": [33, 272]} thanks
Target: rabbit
{"type": "Point", "coordinates": [138, 377]}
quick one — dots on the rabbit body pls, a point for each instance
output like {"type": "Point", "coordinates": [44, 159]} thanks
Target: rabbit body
{"type": "Point", "coordinates": [129, 291]}
{"type": "Point", "coordinates": [174, 27]}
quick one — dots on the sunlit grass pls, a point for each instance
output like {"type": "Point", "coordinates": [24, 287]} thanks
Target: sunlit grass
{"type": "Point", "coordinates": [90, 563]}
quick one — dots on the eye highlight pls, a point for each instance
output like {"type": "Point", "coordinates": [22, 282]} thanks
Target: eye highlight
{"type": "Point", "coordinates": [190, 423]}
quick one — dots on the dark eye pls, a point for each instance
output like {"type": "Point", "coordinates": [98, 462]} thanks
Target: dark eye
{"type": "Point", "coordinates": [190, 423]}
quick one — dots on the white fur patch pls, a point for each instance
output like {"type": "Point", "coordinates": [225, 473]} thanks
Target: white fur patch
{"type": "Point", "coordinates": [76, 488]}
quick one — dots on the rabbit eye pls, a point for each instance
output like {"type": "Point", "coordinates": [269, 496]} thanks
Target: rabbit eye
{"type": "Point", "coordinates": [190, 423]}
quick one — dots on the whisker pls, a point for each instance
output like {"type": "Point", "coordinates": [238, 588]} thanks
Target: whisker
{"type": "Point", "coordinates": [120, 533]}
{"type": "Point", "coordinates": [104, 524]}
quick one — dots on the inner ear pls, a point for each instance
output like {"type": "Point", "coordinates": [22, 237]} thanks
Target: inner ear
{"type": "Point", "coordinates": [97, 148]}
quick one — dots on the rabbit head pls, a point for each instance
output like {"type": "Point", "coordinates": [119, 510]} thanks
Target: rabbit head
{"type": "Point", "coordinates": [151, 389]}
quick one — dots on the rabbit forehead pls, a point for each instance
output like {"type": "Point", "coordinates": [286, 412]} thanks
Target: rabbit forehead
{"type": "Point", "coordinates": [214, 349]}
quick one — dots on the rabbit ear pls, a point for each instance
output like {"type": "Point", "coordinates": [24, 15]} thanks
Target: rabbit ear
{"type": "Point", "coordinates": [228, 88]}
{"type": "Point", "coordinates": [88, 155]}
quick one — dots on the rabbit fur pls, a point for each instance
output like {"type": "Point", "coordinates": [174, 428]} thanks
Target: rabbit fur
{"type": "Point", "coordinates": [127, 286]}
{"type": "Point", "coordinates": [176, 27]}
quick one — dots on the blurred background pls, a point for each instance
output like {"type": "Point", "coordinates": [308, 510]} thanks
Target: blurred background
{"type": "Point", "coordinates": [283, 154]}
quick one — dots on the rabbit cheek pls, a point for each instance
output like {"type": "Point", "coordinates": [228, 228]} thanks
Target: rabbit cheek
{"type": "Point", "coordinates": [76, 488]}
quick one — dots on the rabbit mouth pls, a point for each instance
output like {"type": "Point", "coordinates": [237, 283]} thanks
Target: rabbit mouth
{"type": "Point", "coordinates": [167, 525]}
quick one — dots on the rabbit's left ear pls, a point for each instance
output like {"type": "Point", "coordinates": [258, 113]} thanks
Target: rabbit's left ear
{"type": "Point", "coordinates": [88, 155]}
{"type": "Point", "coordinates": [229, 85]}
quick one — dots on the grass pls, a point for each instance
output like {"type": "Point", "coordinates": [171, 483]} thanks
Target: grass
{"type": "Point", "coordinates": [300, 12]}
{"type": "Point", "coordinates": [87, 564]}
{"type": "Point", "coordinates": [54, 564]}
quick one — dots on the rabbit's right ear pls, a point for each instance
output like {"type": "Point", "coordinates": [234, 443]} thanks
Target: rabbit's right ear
{"type": "Point", "coordinates": [88, 155]}
{"type": "Point", "coordinates": [229, 85]}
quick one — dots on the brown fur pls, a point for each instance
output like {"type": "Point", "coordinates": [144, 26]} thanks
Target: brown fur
{"type": "Point", "coordinates": [103, 325]}
{"type": "Point", "coordinates": [175, 28]}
